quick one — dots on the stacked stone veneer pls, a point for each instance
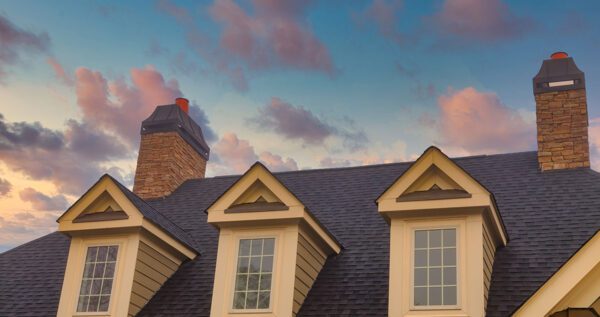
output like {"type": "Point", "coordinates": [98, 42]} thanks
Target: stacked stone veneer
{"type": "Point", "coordinates": [562, 129]}
{"type": "Point", "coordinates": [165, 161]}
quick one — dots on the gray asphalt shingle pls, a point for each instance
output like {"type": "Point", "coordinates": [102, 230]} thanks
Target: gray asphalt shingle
{"type": "Point", "coordinates": [548, 216]}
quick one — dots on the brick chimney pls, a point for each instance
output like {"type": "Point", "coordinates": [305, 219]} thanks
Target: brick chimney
{"type": "Point", "coordinates": [561, 111]}
{"type": "Point", "coordinates": [172, 150]}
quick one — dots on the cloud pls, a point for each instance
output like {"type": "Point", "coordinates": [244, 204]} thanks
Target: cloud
{"type": "Point", "coordinates": [120, 107]}
{"type": "Point", "coordinates": [25, 226]}
{"type": "Point", "coordinates": [65, 158]}
{"type": "Point", "coordinates": [234, 155]}
{"type": "Point", "coordinates": [384, 14]}
{"type": "Point", "coordinates": [263, 35]}
{"type": "Point", "coordinates": [478, 122]}
{"type": "Point", "coordinates": [60, 72]}
{"type": "Point", "coordinates": [276, 163]}
{"type": "Point", "coordinates": [16, 42]}
{"type": "Point", "coordinates": [5, 187]}
{"type": "Point", "coordinates": [40, 201]}
{"type": "Point", "coordinates": [297, 123]}
{"type": "Point", "coordinates": [479, 20]}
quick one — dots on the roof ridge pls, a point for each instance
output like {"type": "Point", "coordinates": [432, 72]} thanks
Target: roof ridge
{"type": "Point", "coordinates": [308, 170]}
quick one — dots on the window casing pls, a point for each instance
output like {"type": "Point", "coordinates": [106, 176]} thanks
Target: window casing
{"type": "Point", "coordinates": [254, 275]}
{"type": "Point", "coordinates": [435, 268]}
{"type": "Point", "coordinates": [97, 280]}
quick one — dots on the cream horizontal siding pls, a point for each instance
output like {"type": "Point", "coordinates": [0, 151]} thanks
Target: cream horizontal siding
{"type": "Point", "coordinates": [152, 270]}
{"type": "Point", "coordinates": [489, 251]}
{"type": "Point", "coordinates": [309, 262]}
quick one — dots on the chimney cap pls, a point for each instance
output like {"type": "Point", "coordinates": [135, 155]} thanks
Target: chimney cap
{"type": "Point", "coordinates": [559, 73]}
{"type": "Point", "coordinates": [183, 103]}
{"type": "Point", "coordinates": [559, 55]}
{"type": "Point", "coordinates": [173, 118]}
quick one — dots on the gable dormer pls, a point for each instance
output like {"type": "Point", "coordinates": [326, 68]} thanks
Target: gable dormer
{"type": "Point", "coordinates": [122, 251]}
{"type": "Point", "coordinates": [271, 248]}
{"type": "Point", "coordinates": [444, 227]}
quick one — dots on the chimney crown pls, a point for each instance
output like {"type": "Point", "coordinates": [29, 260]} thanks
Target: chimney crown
{"type": "Point", "coordinates": [173, 118]}
{"type": "Point", "coordinates": [559, 73]}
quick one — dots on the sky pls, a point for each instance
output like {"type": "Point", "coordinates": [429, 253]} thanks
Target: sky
{"type": "Point", "coordinates": [294, 84]}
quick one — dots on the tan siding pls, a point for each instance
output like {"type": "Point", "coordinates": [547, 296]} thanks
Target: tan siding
{"type": "Point", "coordinates": [152, 270]}
{"type": "Point", "coordinates": [489, 251]}
{"type": "Point", "coordinates": [309, 262]}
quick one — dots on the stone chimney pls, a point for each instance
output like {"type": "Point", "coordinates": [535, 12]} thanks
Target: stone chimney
{"type": "Point", "coordinates": [172, 150]}
{"type": "Point", "coordinates": [561, 111]}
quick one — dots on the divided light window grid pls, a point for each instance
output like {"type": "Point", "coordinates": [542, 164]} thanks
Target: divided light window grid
{"type": "Point", "coordinates": [253, 274]}
{"type": "Point", "coordinates": [97, 281]}
{"type": "Point", "coordinates": [435, 268]}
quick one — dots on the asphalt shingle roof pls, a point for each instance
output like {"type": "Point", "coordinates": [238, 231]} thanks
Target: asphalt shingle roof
{"type": "Point", "coordinates": [548, 216]}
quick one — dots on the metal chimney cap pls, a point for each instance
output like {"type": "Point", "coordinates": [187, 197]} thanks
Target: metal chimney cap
{"type": "Point", "coordinates": [559, 73]}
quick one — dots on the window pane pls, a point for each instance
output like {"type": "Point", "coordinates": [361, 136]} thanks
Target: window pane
{"type": "Point", "coordinates": [435, 276]}
{"type": "Point", "coordinates": [241, 281]}
{"type": "Point", "coordinates": [97, 279]}
{"type": "Point", "coordinates": [450, 295]}
{"type": "Point", "coordinates": [435, 238]}
{"type": "Point", "coordinates": [435, 257]}
{"type": "Point", "coordinates": [420, 296]}
{"type": "Point", "coordinates": [265, 282]}
{"type": "Point", "coordinates": [449, 276]}
{"type": "Point", "coordinates": [420, 258]}
{"type": "Point", "coordinates": [263, 300]}
{"type": "Point", "coordinates": [251, 300]}
{"type": "Point", "coordinates": [420, 239]}
{"type": "Point", "coordinates": [245, 247]}
{"type": "Point", "coordinates": [435, 296]}
{"type": "Point", "coordinates": [269, 247]}
{"type": "Point", "coordinates": [450, 237]}
{"type": "Point", "coordinates": [239, 300]}
{"type": "Point", "coordinates": [450, 256]}
{"type": "Point", "coordinates": [256, 248]}
{"type": "Point", "coordinates": [421, 277]}
{"type": "Point", "coordinates": [267, 264]}
{"type": "Point", "coordinates": [253, 278]}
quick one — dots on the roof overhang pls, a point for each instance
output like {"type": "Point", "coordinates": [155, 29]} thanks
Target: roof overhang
{"type": "Point", "coordinates": [434, 184]}
{"type": "Point", "coordinates": [259, 198]}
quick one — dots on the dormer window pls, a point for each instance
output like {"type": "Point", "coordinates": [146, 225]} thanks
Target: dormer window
{"type": "Point", "coordinates": [97, 280]}
{"type": "Point", "coordinates": [435, 268]}
{"type": "Point", "coordinates": [254, 274]}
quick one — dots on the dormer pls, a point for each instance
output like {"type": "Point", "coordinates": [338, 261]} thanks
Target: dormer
{"type": "Point", "coordinates": [445, 229]}
{"type": "Point", "coordinates": [122, 251]}
{"type": "Point", "coordinates": [271, 248]}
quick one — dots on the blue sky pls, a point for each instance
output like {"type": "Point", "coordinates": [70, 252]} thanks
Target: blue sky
{"type": "Point", "coordinates": [294, 84]}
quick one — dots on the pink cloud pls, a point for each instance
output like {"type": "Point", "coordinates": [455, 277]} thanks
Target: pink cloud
{"type": "Point", "coordinates": [60, 72]}
{"type": "Point", "coordinates": [234, 155]}
{"type": "Point", "coordinates": [479, 20]}
{"type": "Point", "coordinates": [5, 187]}
{"type": "Point", "coordinates": [478, 122]}
{"type": "Point", "coordinates": [267, 34]}
{"type": "Point", "coordinates": [276, 163]}
{"type": "Point", "coordinates": [120, 107]}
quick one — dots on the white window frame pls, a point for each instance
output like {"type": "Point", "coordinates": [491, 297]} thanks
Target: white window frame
{"type": "Point", "coordinates": [413, 231]}
{"type": "Point", "coordinates": [84, 248]}
{"type": "Point", "coordinates": [231, 296]}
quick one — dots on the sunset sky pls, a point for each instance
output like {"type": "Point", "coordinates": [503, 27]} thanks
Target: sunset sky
{"type": "Point", "coordinates": [295, 84]}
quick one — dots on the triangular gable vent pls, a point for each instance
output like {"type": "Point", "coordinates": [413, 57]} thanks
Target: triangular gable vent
{"type": "Point", "coordinates": [433, 184]}
{"type": "Point", "coordinates": [103, 208]}
{"type": "Point", "coordinates": [257, 197]}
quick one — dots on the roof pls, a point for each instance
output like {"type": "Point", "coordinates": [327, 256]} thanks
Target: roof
{"type": "Point", "coordinates": [548, 216]}
{"type": "Point", "coordinates": [159, 219]}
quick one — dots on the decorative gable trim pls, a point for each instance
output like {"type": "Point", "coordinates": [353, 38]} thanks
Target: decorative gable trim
{"type": "Point", "coordinates": [574, 285]}
{"type": "Point", "coordinates": [434, 183]}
